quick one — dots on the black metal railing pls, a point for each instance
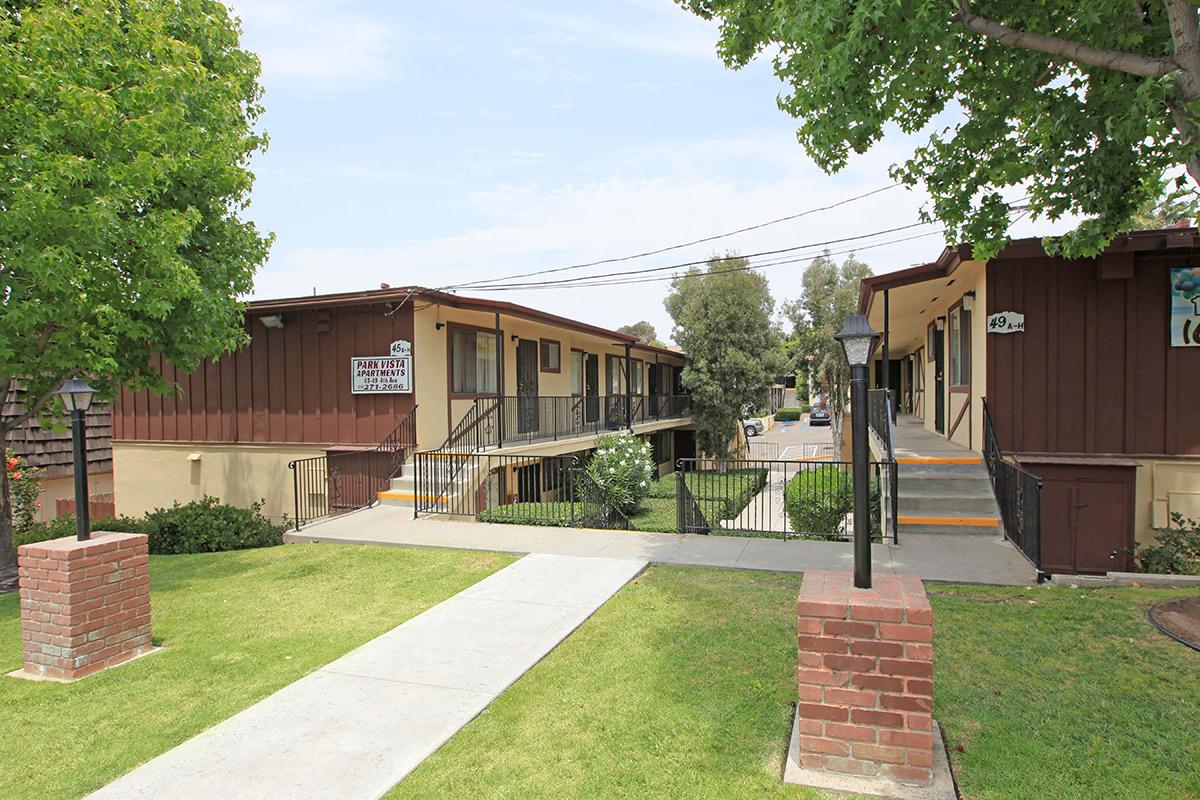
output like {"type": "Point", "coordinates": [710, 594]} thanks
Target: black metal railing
{"type": "Point", "coordinates": [528, 419]}
{"type": "Point", "coordinates": [342, 481]}
{"type": "Point", "coordinates": [881, 418]}
{"type": "Point", "coordinates": [512, 489]}
{"type": "Point", "coordinates": [778, 499]}
{"type": "Point", "coordinates": [1018, 494]}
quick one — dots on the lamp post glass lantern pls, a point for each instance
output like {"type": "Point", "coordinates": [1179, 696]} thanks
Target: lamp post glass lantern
{"type": "Point", "coordinates": [77, 397]}
{"type": "Point", "coordinates": [858, 341]}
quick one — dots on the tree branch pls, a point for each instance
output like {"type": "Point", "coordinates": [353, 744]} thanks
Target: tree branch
{"type": "Point", "coordinates": [1133, 63]}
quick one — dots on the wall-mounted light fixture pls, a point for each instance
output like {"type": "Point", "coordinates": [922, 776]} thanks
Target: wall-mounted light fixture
{"type": "Point", "coordinates": [515, 338]}
{"type": "Point", "coordinates": [272, 321]}
{"type": "Point", "coordinates": [940, 323]}
{"type": "Point", "coordinates": [437, 326]}
{"type": "Point", "coordinates": [968, 301]}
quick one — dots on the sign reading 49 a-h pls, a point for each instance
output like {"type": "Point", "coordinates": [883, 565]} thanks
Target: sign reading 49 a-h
{"type": "Point", "coordinates": [383, 374]}
{"type": "Point", "coordinates": [1006, 322]}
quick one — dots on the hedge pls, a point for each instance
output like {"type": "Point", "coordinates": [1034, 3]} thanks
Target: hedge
{"type": "Point", "coordinates": [202, 526]}
{"type": "Point", "coordinates": [789, 414]}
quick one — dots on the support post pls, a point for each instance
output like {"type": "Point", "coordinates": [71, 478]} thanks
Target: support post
{"type": "Point", "coordinates": [861, 457]}
{"type": "Point", "coordinates": [499, 384]}
{"type": "Point", "coordinates": [887, 364]}
{"type": "Point", "coordinates": [628, 388]}
{"type": "Point", "coordinates": [83, 523]}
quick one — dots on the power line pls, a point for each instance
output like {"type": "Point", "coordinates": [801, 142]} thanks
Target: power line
{"type": "Point", "coordinates": [659, 279]}
{"type": "Point", "coordinates": [809, 246]}
{"type": "Point", "coordinates": [713, 238]}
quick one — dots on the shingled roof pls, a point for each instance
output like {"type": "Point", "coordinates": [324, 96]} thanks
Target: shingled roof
{"type": "Point", "coordinates": [51, 449]}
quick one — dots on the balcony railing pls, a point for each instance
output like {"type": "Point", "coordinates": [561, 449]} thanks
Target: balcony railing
{"type": "Point", "coordinates": [517, 420]}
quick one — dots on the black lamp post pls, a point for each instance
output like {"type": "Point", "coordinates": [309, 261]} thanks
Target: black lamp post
{"type": "Point", "coordinates": [77, 398]}
{"type": "Point", "coordinates": [858, 341]}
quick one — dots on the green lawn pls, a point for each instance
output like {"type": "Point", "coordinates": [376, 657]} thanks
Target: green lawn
{"type": "Point", "coordinates": [680, 687]}
{"type": "Point", "coordinates": [236, 627]}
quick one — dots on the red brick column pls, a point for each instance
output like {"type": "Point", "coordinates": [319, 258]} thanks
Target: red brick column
{"type": "Point", "coordinates": [865, 677]}
{"type": "Point", "coordinates": [84, 605]}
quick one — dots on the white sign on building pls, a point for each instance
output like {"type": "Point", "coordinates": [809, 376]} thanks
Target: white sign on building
{"type": "Point", "coordinates": [381, 375]}
{"type": "Point", "coordinates": [1006, 322]}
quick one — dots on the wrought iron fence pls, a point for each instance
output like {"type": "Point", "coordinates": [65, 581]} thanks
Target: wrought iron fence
{"type": "Point", "coordinates": [1018, 494]}
{"type": "Point", "coordinates": [778, 499]}
{"type": "Point", "coordinates": [515, 489]}
{"type": "Point", "coordinates": [338, 482]}
{"type": "Point", "coordinates": [528, 419]}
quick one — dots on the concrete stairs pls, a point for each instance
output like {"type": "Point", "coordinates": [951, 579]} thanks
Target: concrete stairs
{"type": "Point", "coordinates": [403, 490]}
{"type": "Point", "coordinates": [938, 495]}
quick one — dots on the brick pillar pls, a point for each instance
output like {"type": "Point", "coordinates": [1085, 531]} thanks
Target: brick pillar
{"type": "Point", "coordinates": [84, 605]}
{"type": "Point", "coordinates": [865, 677]}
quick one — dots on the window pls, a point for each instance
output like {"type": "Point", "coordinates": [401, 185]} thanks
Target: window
{"type": "Point", "coordinates": [637, 376]}
{"type": "Point", "coordinates": [577, 357]}
{"type": "Point", "coordinates": [551, 353]}
{"type": "Point", "coordinates": [959, 331]}
{"type": "Point", "coordinates": [612, 369]}
{"type": "Point", "coordinates": [919, 371]}
{"type": "Point", "coordinates": [472, 361]}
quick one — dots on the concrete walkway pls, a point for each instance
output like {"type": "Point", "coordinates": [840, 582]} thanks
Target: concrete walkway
{"type": "Point", "coordinates": [354, 728]}
{"type": "Point", "coordinates": [958, 558]}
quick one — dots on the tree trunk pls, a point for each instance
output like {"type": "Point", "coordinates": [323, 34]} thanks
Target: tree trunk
{"type": "Point", "coordinates": [8, 554]}
{"type": "Point", "coordinates": [1185, 34]}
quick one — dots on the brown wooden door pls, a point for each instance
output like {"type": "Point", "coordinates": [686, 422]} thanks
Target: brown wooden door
{"type": "Point", "coordinates": [1087, 516]}
{"type": "Point", "coordinates": [591, 386]}
{"type": "Point", "coordinates": [527, 386]}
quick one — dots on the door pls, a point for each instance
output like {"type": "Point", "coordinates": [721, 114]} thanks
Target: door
{"type": "Point", "coordinates": [939, 381]}
{"type": "Point", "coordinates": [591, 387]}
{"type": "Point", "coordinates": [1087, 517]}
{"type": "Point", "coordinates": [527, 386]}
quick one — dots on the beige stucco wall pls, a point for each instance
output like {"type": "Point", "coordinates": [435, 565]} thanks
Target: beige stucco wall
{"type": "Point", "coordinates": [1165, 486]}
{"type": "Point", "coordinates": [437, 413]}
{"type": "Point", "coordinates": [54, 489]}
{"type": "Point", "coordinates": [971, 276]}
{"type": "Point", "coordinates": [149, 476]}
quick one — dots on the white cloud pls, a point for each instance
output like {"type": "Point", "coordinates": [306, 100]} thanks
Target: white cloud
{"type": "Point", "coordinates": [319, 43]}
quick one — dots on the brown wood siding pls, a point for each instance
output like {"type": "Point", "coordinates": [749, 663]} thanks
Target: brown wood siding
{"type": "Point", "coordinates": [1093, 372]}
{"type": "Point", "coordinates": [288, 385]}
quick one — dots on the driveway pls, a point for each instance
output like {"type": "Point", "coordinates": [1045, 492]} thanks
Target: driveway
{"type": "Point", "coordinates": [793, 440]}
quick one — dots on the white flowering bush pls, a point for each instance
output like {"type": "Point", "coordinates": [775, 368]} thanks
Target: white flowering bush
{"type": "Point", "coordinates": [622, 467]}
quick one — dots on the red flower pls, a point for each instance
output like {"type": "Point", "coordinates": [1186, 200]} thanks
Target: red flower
{"type": "Point", "coordinates": [16, 476]}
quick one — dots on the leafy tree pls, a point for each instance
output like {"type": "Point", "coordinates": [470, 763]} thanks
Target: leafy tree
{"type": "Point", "coordinates": [1174, 208]}
{"type": "Point", "coordinates": [1085, 105]}
{"type": "Point", "coordinates": [125, 132]}
{"type": "Point", "coordinates": [644, 332]}
{"type": "Point", "coordinates": [829, 294]}
{"type": "Point", "coordinates": [722, 317]}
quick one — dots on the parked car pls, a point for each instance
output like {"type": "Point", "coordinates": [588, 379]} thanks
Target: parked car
{"type": "Point", "coordinates": [753, 427]}
{"type": "Point", "coordinates": [819, 416]}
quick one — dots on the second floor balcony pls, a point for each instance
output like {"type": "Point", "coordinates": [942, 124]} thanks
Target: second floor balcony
{"type": "Point", "coordinates": [515, 420]}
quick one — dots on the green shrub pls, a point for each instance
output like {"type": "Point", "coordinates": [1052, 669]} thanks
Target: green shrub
{"type": "Point", "coordinates": [622, 467]}
{"type": "Point", "coordinates": [817, 500]}
{"type": "Point", "coordinates": [202, 526]}
{"type": "Point", "coordinates": [788, 414]}
{"type": "Point", "coordinates": [1176, 549]}
{"type": "Point", "coordinates": [663, 487]}
{"type": "Point", "coordinates": [553, 514]}
{"type": "Point", "coordinates": [209, 526]}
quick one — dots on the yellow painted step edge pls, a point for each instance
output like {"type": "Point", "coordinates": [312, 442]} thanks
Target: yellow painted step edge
{"type": "Point", "coordinates": [971, 522]}
{"type": "Point", "coordinates": [409, 496]}
{"type": "Point", "coordinates": [939, 460]}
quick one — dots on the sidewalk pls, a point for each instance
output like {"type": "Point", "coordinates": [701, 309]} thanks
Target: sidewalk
{"type": "Point", "coordinates": [354, 728]}
{"type": "Point", "coordinates": [945, 557]}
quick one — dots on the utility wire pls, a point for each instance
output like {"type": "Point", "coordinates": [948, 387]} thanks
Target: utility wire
{"type": "Point", "coordinates": [662, 278]}
{"type": "Point", "coordinates": [713, 238]}
{"type": "Point", "coordinates": [809, 246]}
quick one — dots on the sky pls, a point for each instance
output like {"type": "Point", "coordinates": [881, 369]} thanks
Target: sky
{"type": "Point", "coordinates": [438, 143]}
